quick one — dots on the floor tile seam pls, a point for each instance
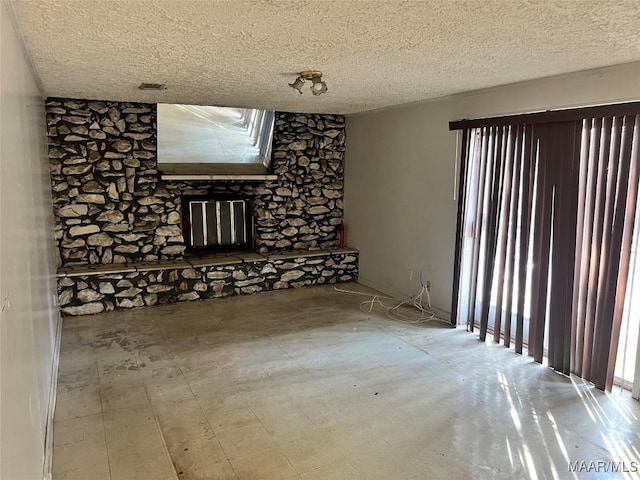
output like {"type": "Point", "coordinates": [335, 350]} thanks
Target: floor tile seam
{"type": "Point", "coordinates": [275, 442]}
{"type": "Point", "coordinates": [104, 429]}
{"type": "Point", "coordinates": [277, 446]}
{"type": "Point", "coordinates": [206, 419]}
{"type": "Point", "coordinates": [162, 437]}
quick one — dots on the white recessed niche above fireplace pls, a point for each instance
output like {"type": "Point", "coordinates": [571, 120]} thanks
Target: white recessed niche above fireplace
{"type": "Point", "coordinates": [214, 141]}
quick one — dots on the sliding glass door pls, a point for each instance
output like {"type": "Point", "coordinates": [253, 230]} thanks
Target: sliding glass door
{"type": "Point", "coordinates": [628, 358]}
{"type": "Point", "coordinates": [545, 251]}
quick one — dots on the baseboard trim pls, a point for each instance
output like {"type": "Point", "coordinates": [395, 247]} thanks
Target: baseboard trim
{"type": "Point", "coordinates": [47, 473]}
{"type": "Point", "coordinates": [441, 313]}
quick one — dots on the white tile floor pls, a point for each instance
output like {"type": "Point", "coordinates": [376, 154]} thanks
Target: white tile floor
{"type": "Point", "coordinates": [300, 384]}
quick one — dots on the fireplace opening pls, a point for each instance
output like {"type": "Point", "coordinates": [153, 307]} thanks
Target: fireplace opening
{"type": "Point", "coordinates": [217, 224]}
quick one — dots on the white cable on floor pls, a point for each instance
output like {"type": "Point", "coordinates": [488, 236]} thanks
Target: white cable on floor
{"type": "Point", "coordinates": [426, 315]}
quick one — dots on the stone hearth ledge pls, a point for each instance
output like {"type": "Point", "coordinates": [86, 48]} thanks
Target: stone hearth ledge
{"type": "Point", "coordinates": [90, 289]}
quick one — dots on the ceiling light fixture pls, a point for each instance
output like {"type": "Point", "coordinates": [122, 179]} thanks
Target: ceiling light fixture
{"type": "Point", "coordinates": [318, 86]}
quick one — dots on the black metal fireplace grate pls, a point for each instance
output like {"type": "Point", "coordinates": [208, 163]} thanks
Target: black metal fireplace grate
{"type": "Point", "coordinates": [218, 224]}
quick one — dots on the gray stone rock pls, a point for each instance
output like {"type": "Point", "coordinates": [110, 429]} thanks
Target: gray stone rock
{"type": "Point", "coordinates": [216, 275]}
{"type": "Point", "coordinates": [76, 169]}
{"type": "Point", "coordinates": [106, 288]}
{"type": "Point", "coordinates": [66, 282]}
{"type": "Point", "coordinates": [74, 138]}
{"type": "Point", "coordinates": [253, 281]}
{"type": "Point", "coordinates": [73, 210]}
{"type": "Point", "coordinates": [130, 237]}
{"type": "Point", "coordinates": [129, 292]}
{"type": "Point", "coordinates": [92, 187]}
{"type": "Point", "coordinates": [115, 227]}
{"type": "Point", "coordinates": [239, 275]}
{"type": "Point", "coordinates": [83, 230]}
{"type": "Point", "coordinates": [100, 239]}
{"type": "Point", "coordinates": [291, 275]}
{"type": "Point", "coordinates": [173, 250]}
{"type": "Point", "coordinates": [138, 136]}
{"type": "Point", "coordinates": [77, 243]}
{"type": "Point", "coordinates": [268, 268]}
{"type": "Point", "coordinates": [122, 145]}
{"type": "Point", "coordinates": [200, 287]}
{"type": "Point", "coordinates": [60, 187]}
{"type": "Point", "coordinates": [131, 303]}
{"type": "Point", "coordinates": [112, 191]}
{"type": "Point", "coordinates": [251, 289]}
{"type": "Point", "coordinates": [98, 107]}
{"type": "Point", "coordinates": [283, 192]}
{"type": "Point", "coordinates": [86, 309]}
{"type": "Point", "coordinates": [169, 231]}
{"type": "Point", "coordinates": [159, 288]}
{"type": "Point", "coordinates": [188, 296]}
{"type": "Point", "coordinates": [191, 273]}
{"type": "Point", "coordinates": [91, 198]}
{"type": "Point", "coordinates": [74, 160]}
{"type": "Point", "coordinates": [298, 145]}
{"type": "Point", "coordinates": [150, 201]}
{"type": "Point", "coordinates": [151, 299]}
{"type": "Point", "coordinates": [97, 134]}
{"type": "Point", "coordinates": [218, 287]}
{"type": "Point", "coordinates": [283, 243]}
{"type": "Point", "coordinates": [173, 218]}
{"type": "Point", "coordinates": [127, 248]}
{"type": "Point", "coordinates": [112, 216]}
{"type": "Point", "coordinates": [107, 256]}
{"type": "Point", "coordinates": [317, 200]}
{"type": "Point", "coordinates": [332, 133]}
{"type": "Point", "coordinates": [65, 296]}
{"type": "Point", "coordinates": [89, 295]}
{"type": "Point", "coordinates": [317, 210]}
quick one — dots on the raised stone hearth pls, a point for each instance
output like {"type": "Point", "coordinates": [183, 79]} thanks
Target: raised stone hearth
{"type": "Point", "coordinates": [94, 289]}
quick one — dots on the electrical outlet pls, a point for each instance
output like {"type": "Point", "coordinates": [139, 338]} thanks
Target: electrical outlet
{"type": "Point", "coordinates": [410, 272]}
{"type": "Point", "coordinates": [428, 285]}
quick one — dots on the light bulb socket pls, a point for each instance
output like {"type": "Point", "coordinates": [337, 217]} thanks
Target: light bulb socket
{"type": "Point", "coordinates": [318, 87]}
{"type": "Point", "coordinates": [297, 85]}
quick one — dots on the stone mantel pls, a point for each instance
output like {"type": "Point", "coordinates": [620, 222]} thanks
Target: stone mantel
{"type": "Point", "coordinates": [202, 172]}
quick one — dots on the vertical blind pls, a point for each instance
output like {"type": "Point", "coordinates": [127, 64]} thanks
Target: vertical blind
{"type": "Point", "coordinates": [545, 226]}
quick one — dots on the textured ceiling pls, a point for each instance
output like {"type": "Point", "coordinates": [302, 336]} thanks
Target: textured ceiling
{"type": "Point", "coordinates": [373, 54]}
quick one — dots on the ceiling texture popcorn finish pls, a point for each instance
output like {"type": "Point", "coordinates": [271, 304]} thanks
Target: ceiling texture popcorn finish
{"type": "Point", "coordinates": [374, 54]}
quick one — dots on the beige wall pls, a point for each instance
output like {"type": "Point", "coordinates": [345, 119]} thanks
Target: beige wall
{"type": "Point", "coordinates": [400, 210]}
{"type": "Point", "coordinates": [28, 321]}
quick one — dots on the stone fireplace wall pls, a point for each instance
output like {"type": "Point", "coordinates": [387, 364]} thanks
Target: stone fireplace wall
{"type": "Point", "coordinates": [110, 205]}
{"type": "Point", "coordinates": [304, 207]}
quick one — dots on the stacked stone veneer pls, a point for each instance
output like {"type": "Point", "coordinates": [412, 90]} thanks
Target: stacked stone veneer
{"type": "Point", "coordinates": [303, 208]}
{"type": "Point", "coordinates": [114, 214]}
{"type": "Point", "coordinates": [105, 288]}
{"type": "Point", "coordinates": [110, 205]}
